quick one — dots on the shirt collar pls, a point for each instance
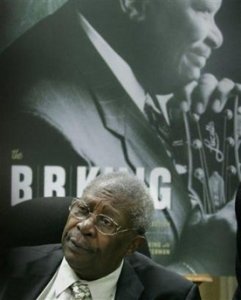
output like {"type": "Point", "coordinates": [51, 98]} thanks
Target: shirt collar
{"type": "Point", "coordinates": [65, 277]}
{"type": "Point", "coordinates": [103, 288]}
{"type": "Point", "coordinates": [163, 100]}
{"type": "Point", "coordinates": [118, 66]}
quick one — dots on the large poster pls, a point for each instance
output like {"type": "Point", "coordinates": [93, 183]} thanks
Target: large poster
{"type": "Point", "coordinates": [148, 87]}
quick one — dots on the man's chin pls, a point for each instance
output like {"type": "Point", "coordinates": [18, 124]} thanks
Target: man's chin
{"type": "Point", "coordinates": [167, 87]}
{"type": "Point", "coordinates": [189, 74]}
{"type": "Point", "coordinates": [169, 81]}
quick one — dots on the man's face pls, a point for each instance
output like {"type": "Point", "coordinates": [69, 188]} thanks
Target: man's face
{"type": "Point", "coordinates": [179, 36]}
{"type": "Point", "coordinates": [91, 254]}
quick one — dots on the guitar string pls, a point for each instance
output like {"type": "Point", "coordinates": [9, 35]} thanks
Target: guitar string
{"type": "Point", "coordinates": [236, 141]}
{"type": "Point", "coordinates": [190, 161]}
{"type": "Point", "coordinates": [226, 150]}
{"type": "Point", "coordinates": [205, 168]}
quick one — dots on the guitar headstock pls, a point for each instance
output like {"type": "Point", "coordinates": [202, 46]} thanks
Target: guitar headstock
{"type": "Point", "coordinates": [209, 147]}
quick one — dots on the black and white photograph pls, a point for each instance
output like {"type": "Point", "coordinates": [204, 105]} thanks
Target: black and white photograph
{"type": "Point", "coordinates": [151, 88]}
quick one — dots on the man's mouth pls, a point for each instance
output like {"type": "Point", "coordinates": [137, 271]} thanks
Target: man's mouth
{"type": "Point", "coordinates": [197, 60]}
{"type": "Point", "coordinates": [199, 55]}
{"type": "Point", "coordinates": [78, 244]}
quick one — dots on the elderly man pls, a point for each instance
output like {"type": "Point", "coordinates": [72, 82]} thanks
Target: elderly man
{"type": "Point", "coordinates": [79, 89]}
{"type": "Point", "coordinates": [104, 228]}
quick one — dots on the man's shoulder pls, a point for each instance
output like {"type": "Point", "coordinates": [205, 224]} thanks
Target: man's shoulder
{"type": "Point", "coordinates": [28, 270]}
{"type": "Point", "coordinates": [34, 252]}
{"type": "Point", "coordinates": [156, 273]}
{"type": "Point", "coordinates": [19, 258]}
{"type": "Point", "coordinates": [159, 282]}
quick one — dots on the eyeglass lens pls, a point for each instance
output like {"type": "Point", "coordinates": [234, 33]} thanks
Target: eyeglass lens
{"type": "Point", "coordinates": [103, 223]}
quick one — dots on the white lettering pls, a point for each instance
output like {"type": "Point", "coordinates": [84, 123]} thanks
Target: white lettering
{"type": "Point", "coordinates": [161, 194]}
{"type": "Point", "coordinates": [21, 180]}
{"type": "Point", "coordinates": [54, 181]}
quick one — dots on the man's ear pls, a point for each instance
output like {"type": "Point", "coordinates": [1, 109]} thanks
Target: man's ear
{"type": "Point", "coordinates": [135, 9]}
{"type": "Point", "coordinates": [135, 244]}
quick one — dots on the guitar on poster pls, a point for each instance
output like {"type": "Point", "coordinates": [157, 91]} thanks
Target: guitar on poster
{"type": "Point", "coordinates": [208, 149]}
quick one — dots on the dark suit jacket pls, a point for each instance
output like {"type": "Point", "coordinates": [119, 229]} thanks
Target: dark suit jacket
{"type": "Point", "coordinates": [31, 268]}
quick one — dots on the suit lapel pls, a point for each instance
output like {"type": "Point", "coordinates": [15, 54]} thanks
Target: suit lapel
{"type": "Point", "coordinates": [109, 96]}
{"type": "Point", "coordinates": [129, 286]}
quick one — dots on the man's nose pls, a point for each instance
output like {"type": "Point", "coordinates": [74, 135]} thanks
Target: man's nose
{"type": "Point", "coordinates": [215, 36]}
{"type": "Point", "coordinates": [87, 226]}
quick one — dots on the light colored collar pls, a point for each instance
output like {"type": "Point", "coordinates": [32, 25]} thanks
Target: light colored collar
{"type": "Point", "coordinates": [118, 66]}
{"type": "Point", "coordinates": [162, 100]}
{"type": "Point", "coordinates": [65, 277]}
{"type": "Point", "coordinates": [101, 289]}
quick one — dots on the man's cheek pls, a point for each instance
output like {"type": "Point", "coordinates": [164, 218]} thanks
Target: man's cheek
{"type": "Point", "coordinates": [64, 235]}
{"type": "Point", "coordinates": [198, 29]}
{"type": "Point", "coordinates": [71, 223]}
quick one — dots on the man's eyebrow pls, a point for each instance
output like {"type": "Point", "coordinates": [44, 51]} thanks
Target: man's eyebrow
{"type": "Point", "coordinates": [110, 210]}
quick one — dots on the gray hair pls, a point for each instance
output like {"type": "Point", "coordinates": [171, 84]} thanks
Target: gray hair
{"type": "Point", "coordinates": [129, 193]}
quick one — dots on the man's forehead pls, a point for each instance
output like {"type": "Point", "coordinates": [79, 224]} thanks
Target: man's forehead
{"type": "Point", "coordinates": [102, 200]}
{"type": "Point", "coordinates": [106, 205]}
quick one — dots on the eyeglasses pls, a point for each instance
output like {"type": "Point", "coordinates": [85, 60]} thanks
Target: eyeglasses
{"type": "Point", "coordinates": [104, 224]}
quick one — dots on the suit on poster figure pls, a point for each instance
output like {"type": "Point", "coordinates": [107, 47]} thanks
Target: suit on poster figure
{"type": "Point", "coordinates": [73, 91]}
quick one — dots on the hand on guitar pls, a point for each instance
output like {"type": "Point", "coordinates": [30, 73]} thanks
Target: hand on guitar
{"type": "Point", "coordinates": [208, 94]}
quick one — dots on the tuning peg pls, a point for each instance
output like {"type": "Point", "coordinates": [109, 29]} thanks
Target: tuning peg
{"type": "Point", "coordinates": [230, 141]}
{"type": "Point", "coordinates": [228, 114]}
{"type": "Point", "coordinates": [195, 117]}
{"type": "Point", "coordinates": [197, 144]}
{"type": "Point", "coordinates": [199, 174]}
{"type": "Point", "coordinates": [232, 170]}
